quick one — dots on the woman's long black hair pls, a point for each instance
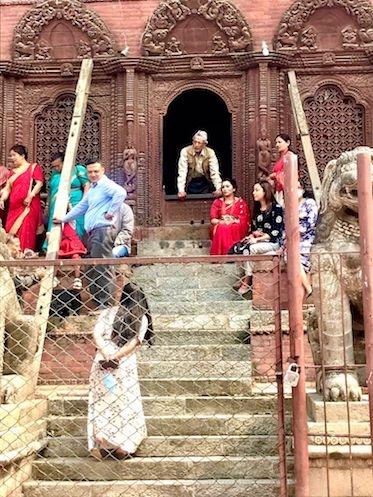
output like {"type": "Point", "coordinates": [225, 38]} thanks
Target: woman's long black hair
{"type": "Point", "coordinates": [133, 305]}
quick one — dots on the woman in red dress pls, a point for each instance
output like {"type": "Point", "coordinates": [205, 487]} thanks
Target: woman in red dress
{"type": "Point", "coordinates": [277, 176]}
{"type": "Point", "coordinates": [23, 191]}
{"type": "Point", "coordinates": [229, 217]}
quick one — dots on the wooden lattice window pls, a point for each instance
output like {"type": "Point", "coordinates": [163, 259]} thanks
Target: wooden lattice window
{"type": "Point", "coordinates": [52, 127]}
{"type": "Point", "coordinates": [336, 123]}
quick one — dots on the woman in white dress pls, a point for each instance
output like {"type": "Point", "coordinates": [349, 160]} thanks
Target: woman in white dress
{"type": "Point", "coordinates": [116, 422]}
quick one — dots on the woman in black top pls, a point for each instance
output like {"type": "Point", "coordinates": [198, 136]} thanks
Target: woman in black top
{"type": "Point", "coordinates": [267, 228]}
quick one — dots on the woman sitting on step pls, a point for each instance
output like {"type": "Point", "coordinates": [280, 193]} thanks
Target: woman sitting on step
{"type": "Point", "coordinates": [116, 422]}
{"type": "Point", "coordinates": [230, 219]}
{"type": "Point", "coordinates": [266, 228]}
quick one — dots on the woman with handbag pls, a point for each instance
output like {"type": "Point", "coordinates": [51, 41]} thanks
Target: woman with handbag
{"type": "Point", "coordinates": [230, 219]}
{"type": "Point", "coordinates": [116, 422]}
{"type": "Point", "coordinates": [266, 229]}
{"type": "Point", "coordinates": [23, 192]}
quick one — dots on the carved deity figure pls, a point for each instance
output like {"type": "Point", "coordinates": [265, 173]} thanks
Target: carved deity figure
{"type": "Point", "coordinates": [308, 38]}
{"type": "Point", "coordinates": [130, 169]}
{"type": "Point", "coordinates": [218, 45]}
{"type": "Point", "coordinates": [173, 47]}
{"type": "Point", "coordinates": [337, 282]}
{"type": "Point", "coordinates": [84, 49]}
{"type": "Point", "coordinates": [366, 35]}
{"type": "Point", "coordinates": [178, 11]}
{"type": "Point", "coordinates": [263, 145]}
{"type": "Point", "coordinates": [42, 51]}
{"type": "Point", "coordinates": [349, 37]}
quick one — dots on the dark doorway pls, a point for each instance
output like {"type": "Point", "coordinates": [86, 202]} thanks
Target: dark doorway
{"type": "Point", "coordinates": [193, 110]}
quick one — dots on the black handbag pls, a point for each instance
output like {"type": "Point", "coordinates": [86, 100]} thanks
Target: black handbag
{"type": "Point", "coordinates": [240, 248]}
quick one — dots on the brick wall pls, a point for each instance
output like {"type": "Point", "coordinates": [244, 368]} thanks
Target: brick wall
{"type": "Point", "coordinates": [126, 20]}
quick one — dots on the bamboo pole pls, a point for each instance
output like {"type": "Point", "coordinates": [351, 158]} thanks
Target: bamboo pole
{"type": "Point", "coordinates": [303, 131]}
{"type": "Point", "coordinates": [62, 200]}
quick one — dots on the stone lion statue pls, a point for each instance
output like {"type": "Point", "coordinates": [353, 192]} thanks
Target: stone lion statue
{"type": "Point", "coordinates": [337, 281]}
{"type": "Point", "coordinates": [18, 333]}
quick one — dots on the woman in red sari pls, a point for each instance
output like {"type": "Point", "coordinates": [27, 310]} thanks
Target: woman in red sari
{"type": "Point", "coordinates": [277, 176]}
{"type": "Point", "coordinates": [229, 217]}
{"type": "Point", "coordinates": [23, 191]}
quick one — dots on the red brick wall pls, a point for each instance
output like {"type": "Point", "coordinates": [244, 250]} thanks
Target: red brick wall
{"type": "Point", "coordinates": [126, 19]}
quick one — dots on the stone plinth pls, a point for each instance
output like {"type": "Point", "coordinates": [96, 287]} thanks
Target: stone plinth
{"type": "Point", "coordinates": [339, 448]}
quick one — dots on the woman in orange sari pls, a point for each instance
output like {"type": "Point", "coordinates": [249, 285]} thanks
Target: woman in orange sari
{"type": "Point", "coordinates": [230, 219]}
{"type": "Point", "coordinates": [23, 191]}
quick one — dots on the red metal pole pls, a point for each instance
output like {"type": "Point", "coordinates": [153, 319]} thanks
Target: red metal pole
{"type": "Point", "coordinates": [364, 183]}
{"type": "Point", "coordinates": [280, 380]}
{"type": "Point", "coordinates": [295, 289]}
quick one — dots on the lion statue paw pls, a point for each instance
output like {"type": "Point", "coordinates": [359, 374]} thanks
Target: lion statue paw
{"type": "Point", "coordinates": [340, 387]}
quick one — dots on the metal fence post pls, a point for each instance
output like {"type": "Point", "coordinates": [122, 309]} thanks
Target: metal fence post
{"type": "Point", "coordinates": [365, 198]}
{"type": "Point", "coordinates": [300, 428]}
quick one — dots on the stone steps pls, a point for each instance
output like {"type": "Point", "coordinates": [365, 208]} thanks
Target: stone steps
{"type": "Point", "coordinates": [213, 321]}
{"type": "Point", "coordinates": [174, 336]}
{"type": "Point", "coordinates": [157, 468]}
{"type": "Point", "coordinates": [172, 446]}
{"type": "Point", "coordinates": [176, 283]}
{"type": "Point", "coordinates": [236, 307]}
{"type": "Point", "coordinates": [186, 425]}
{"type": "Point", "coordinates": [162, 294]}
{"type": "Point", "coordinates": [180, 405]}
{"type": "Point", "coordinates": [170, 248]}
{"type": "Point", "coordinates": [211, 352]}
{"type": "Point", "coordinates": [149, 273]}
{"type": "Point", "coordinates": [194, 369]}
{"type": "Point", "coordinates": [153, 488]}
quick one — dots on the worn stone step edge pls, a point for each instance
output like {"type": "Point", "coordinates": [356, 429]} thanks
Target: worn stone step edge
{"type": "Point", "coordinates": [69, 406]}
{"type": "Point", "coordinates": [194, 467]}
{"type": "Point", "coordinates": [161, 488]}
{"type": "Point", "coordinates": [176, 445]}
{"type": "Point", "coordinates": [235, 424]}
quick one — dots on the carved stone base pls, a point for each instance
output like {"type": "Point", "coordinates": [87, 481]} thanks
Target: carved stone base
{"type": "Point", "coordinates": [340, 450]}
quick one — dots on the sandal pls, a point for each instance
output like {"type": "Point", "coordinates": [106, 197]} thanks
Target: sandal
{"type": "Point", "coordinates": [96, 454]}
{"type": "Point", "coordinates": [77, 285]}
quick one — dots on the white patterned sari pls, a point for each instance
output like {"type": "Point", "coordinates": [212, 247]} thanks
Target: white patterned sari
{"type": "Point", "coordinates": [115, 412]}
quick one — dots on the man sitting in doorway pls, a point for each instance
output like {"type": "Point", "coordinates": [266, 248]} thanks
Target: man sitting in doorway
{"type": "Point", "coordinates": [198, 168]}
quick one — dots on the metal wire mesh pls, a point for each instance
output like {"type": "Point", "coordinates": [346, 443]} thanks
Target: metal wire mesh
{"type": "Point", "coordinates": [206, 374]}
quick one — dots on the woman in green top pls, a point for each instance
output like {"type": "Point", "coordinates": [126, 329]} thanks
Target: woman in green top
{"type": "Point", "coordinates": [78, 188]}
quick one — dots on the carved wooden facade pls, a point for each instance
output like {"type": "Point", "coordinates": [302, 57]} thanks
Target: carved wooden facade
{"type": "Point", "coordinates": [186, 45]}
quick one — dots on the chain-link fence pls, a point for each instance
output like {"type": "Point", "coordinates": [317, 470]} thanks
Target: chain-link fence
{"type": "Point", "coordinates": [158, 377]}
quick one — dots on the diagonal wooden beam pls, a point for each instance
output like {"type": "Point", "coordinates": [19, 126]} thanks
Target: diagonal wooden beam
{"type": "Point", "coordinates": [302, 130]}
{"type": "Point", "coordinates": [62, 201]}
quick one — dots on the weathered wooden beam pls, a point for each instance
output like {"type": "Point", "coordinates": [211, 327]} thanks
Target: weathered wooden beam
{"type": "Point", "coordinates": [302, 130]}
{"type": "Point", "coordinates": [62, 201]}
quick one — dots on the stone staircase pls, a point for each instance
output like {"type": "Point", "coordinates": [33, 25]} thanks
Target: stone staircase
{"type": "Point", "coordinates": [211, 431]}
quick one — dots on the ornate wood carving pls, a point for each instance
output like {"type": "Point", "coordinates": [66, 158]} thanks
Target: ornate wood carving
{"type": "Point", "coordinates": [187, 26]}
{"type": "Point", "coordinates": [52, 129]}
{"type": "Point", "coordinates": [38, 33]}
{"type": "Point", "coordinates": [336, 122]}
{"type": "Point", "coordinates": [263, 143]}
{"type": "Point", "coordinates": [295, 32]}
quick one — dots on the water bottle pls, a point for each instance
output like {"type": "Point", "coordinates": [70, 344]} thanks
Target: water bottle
{"type": "Point", "coordinates": [110, 382]}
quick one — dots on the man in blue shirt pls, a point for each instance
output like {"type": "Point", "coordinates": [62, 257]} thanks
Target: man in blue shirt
{"type": "Point", "coordinates": [100, 208]}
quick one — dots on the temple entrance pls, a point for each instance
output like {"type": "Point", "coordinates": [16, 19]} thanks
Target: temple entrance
{"type": "Point", "coordinates": [193, 110]}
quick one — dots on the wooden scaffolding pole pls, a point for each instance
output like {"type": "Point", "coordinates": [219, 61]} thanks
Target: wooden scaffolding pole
{"type": "Point", "coordinates": [302, 130]}
{"type": "Point", "coordinates": [62, 201]}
